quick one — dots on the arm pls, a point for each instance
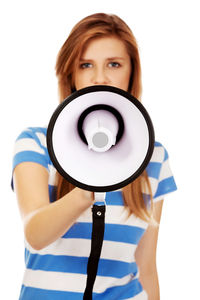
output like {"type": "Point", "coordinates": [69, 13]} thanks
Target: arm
{"type": "Point", "coordinates": [44, 222]}
{"type": "Point", "coordinates": [146, 256]}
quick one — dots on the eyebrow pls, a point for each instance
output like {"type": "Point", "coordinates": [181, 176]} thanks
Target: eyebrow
{"type": "Point", "coordinates": [116, 57]}
{"type": "Point", "coordinates": [108, 58]}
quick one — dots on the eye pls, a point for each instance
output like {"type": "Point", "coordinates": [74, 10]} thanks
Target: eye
{"type": "Point", "coordinates": [114, 64]}
{"type": "Point", "coordinates": [85, 65]}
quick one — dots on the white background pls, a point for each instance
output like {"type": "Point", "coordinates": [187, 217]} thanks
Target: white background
{"type": "Point", "coordinates": [168, 36]}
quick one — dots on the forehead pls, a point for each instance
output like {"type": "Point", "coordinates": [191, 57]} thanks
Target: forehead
{"type": "Point", "coordinates": [105, 46]}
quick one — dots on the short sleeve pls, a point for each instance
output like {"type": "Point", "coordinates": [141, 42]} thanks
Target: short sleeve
{"type": "Point", "coordinates": [30, 146]}
{"type": "Point", "coordinates": [160, 174]}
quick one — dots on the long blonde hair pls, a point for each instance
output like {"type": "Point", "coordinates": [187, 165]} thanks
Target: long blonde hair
{"type": "Point", "coordinates": [96, 26]}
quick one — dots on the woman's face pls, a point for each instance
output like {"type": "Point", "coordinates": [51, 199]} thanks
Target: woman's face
{"type": "Point", "coordinates": [105, 61]}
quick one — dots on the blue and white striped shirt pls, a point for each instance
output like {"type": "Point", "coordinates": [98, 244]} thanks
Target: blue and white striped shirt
{"type": "Point", "coordinates": [59, 271]}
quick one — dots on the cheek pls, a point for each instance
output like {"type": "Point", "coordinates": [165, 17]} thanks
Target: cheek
{"type": "Point", "coordinates": [81, 80]}
{"type": "Point", "coordinates": [123, 81]}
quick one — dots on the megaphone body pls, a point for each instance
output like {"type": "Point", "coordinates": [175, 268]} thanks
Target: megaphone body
{"type": "Point", "coordinates": [100, 138]}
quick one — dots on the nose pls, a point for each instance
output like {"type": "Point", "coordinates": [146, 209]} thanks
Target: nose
{"type": "Point", "coordinates": [100, 77]}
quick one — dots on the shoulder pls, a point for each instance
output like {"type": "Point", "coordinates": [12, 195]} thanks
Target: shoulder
{"type": "Point", "coordinates": [37, 133]}
{"type": "Point", "coordinates": [32, 137]}
{"type": "Point", "coordinates": [159, 156]}
{"type": "Point", "coordinates": [30, 145]}
{"type": "Point", "coordinates": [160, 173]}
{"type": "Point", "coordinates": [160, 153]}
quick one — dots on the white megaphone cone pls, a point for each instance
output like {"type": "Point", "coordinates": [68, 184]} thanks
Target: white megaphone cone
{"type": "Point", "coordinates": [100, 138]}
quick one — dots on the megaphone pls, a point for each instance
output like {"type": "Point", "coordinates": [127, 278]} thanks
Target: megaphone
{"type": "Point", "coordinates": [100, 138]}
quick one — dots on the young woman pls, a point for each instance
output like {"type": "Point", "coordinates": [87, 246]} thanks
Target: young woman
{"type": "Point", "coordinates": [100, 50]}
